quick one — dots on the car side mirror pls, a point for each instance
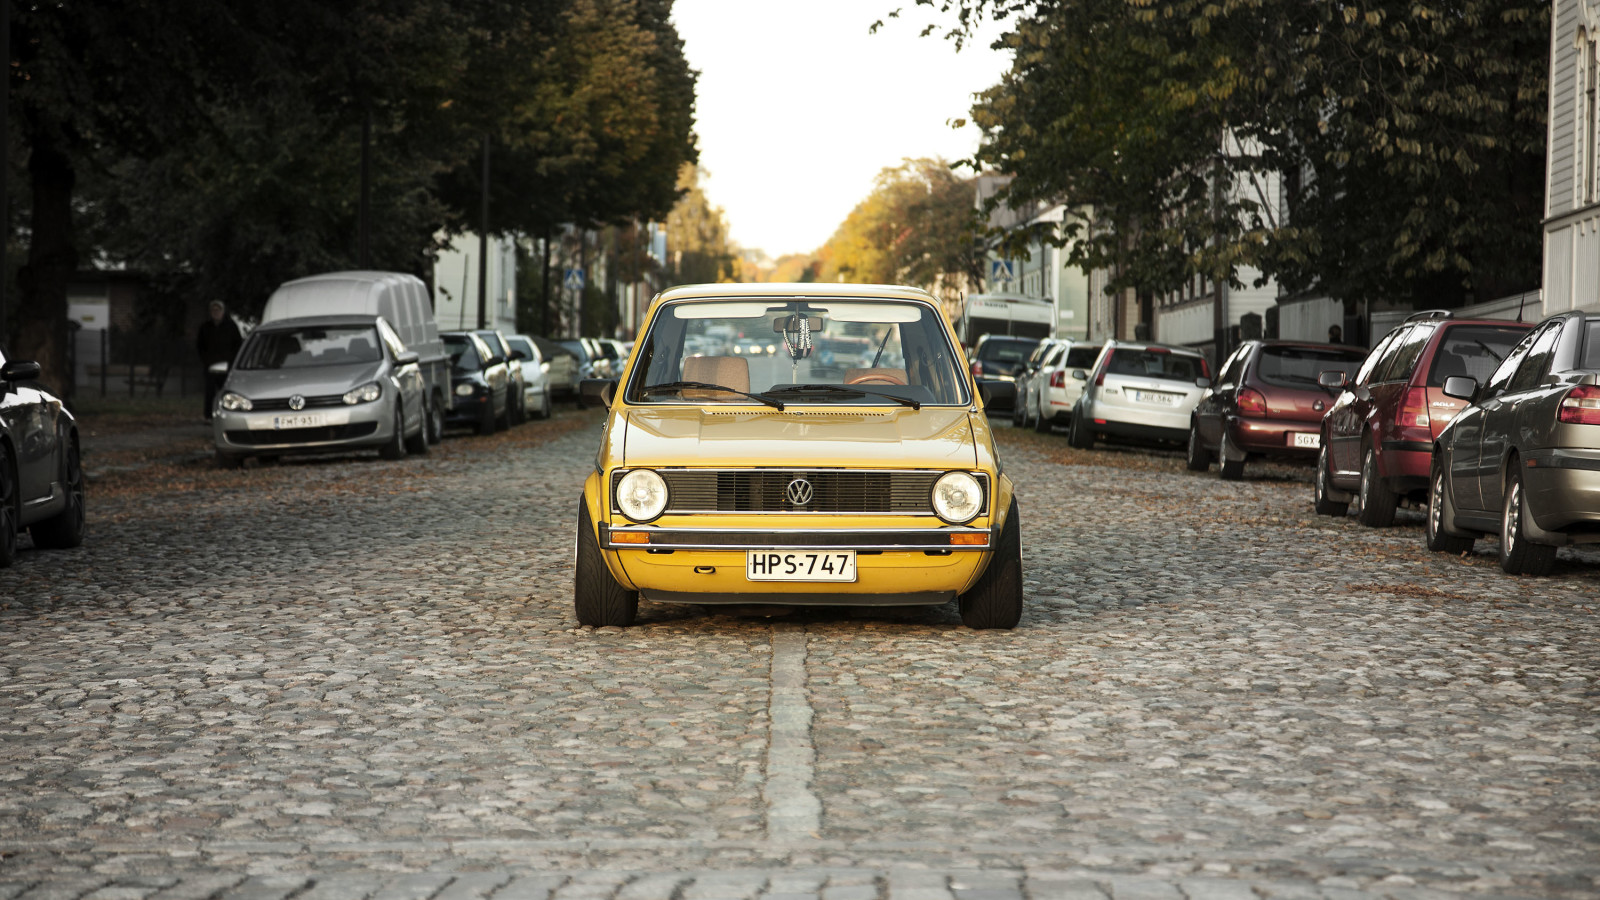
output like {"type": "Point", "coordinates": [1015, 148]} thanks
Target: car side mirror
{"type": "Point", "coordinates": [1202, 382]}
{"type": "Point", "coordinates": [1334, 380]}
{"type": "Point", "coordinates": [1460, 387]}
{"type": "Point", "coordinates": [19, 370]}
{"type": "Point", "coordinates": [1080, 374]}
{"type": "Point", "coordinates": [997, 393]}
{"type": "Point", "coordinates": [518, 355]}
{"type": "Point", "coordinates": [410, 357]}
{"type": "Point", "coordinates": [218, 368]}
{"type": "Point", "coordinates": [596, 391]}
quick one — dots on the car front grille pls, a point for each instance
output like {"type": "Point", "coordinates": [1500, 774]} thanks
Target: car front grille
{"type": "Point", "coordinates": [853, 492]}
{"type": "Point", "coordinates": [273, 403]}
{"type": "Point", "coordinates": [319, 435]}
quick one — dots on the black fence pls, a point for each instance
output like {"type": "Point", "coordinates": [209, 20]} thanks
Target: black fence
{"type": "Point", "coordinates": [113, 362]}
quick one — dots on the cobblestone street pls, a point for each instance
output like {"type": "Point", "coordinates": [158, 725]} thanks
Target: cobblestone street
{"type": "Point", "coordinates": [347, 678]}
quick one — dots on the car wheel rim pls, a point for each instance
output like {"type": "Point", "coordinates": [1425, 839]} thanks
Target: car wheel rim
{"type": "Point", "coordinates": [1436, 506]}
{"type": "Point", "coordinates": [1513, 518]}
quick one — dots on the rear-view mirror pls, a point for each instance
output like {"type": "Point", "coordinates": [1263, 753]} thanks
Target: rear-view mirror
{"type": "Point", "coordinates": [1460, 387]}
{"type": "Point", "coordinates": [407, 358]}
{"type": "Point", "coordinates": [596, 391]}
{"type": "Point", "coordinates": [1202, 382]}
{"type": "Point", "coordinates": [791, 324]}
{"type": "Point", "coordinates": [997, 393]}
{"type": "Point", "coordinates": [1080, 374]}
{"type": "Point", "coordinates": [20, 370]}
{"type": "Point", "coordinates": [518, 355]}
{"type": "Point", "coordinates": [218, 368]}
{"type": "Point", "coordinates": [1334, 380]}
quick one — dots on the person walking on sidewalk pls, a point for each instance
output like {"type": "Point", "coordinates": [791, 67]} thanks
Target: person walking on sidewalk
{"type": "Point", "coordinates": [219, 341]}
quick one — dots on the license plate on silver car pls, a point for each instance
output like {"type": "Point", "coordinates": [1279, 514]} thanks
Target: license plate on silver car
{"type": "Point", "coordinates": [306, 420]}
{"type": "Point", "coordinates": [803, 565]}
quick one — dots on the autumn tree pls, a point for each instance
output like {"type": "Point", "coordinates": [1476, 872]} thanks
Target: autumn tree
{"type": "Point", "coordinates": [698, 248]}
{"type": "Point", "coordinates": [916, 227]}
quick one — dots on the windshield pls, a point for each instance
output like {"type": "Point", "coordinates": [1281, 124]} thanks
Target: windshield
{"type": "Point", "coordinates": [463, 355]}
{"type": "Point", "coordinates": [1006, 350]}
{"type": "Point", "coordinates": [1159, 363]}
{"type": "Point", "coordinates": [1298, 367]}
{"type": "Point", "coordinates": [304, 348]}
{"type": "Point", "coordinates": [868, 352]}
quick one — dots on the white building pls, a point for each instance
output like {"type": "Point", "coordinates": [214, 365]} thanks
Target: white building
{"type": "Point", "coordinates": [455, 285]}
{"type": "Point", "coordinates": [1572, 153]}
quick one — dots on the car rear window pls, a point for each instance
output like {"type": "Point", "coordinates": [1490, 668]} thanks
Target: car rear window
{"type": "Point", "coordinates": [1298, 367]}
{"type": "Point", "coordinates": [1472, 350]}
{"type": "Point", "coordinates": [1155, 364]}
{"type": "Point", "coordinates": [1007, 351]}
{"type": "Point", "coordinates": [1081, 357]}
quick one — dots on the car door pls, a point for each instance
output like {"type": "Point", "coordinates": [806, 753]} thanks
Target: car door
{"type": "Point", "coordinates": [1501, 415]}
{"type": "Point", "coordinates": [30, 419]}
{"type": "Point", "coordinates": [408, 378]}
{"type": "Point", "coordinates": [1349, 412]}
{"type": "Point", "coordinates": [1466, 431]}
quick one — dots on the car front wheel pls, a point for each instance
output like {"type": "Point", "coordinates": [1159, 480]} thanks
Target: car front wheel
{"type": "Point", "coordinates": [996, 600]}
{"type": "Point", "coordinates": [395, 446]}
{"type": "Point", "coordinates": [1439, 540]}
{"type": "Point", "coordinates": [8, 511]}
{"type": "Point", "coordinates": [597, 598]}
{"type": "Point", "coordinates": [64, 530]}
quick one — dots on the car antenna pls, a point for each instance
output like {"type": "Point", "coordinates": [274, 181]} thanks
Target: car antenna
{"type": "Point", "coordinates": [1520, 303]}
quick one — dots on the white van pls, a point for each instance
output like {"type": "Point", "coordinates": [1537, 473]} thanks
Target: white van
{"type": "Point", "coordinates": [402, 301]}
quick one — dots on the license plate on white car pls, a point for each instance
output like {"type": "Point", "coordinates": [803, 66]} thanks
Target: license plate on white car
{"type": "Point", "coordinates": [1157, 397]}
{"type": "Point", "coordinates": [303, 420]}
{"type": "Point", "coordinates": [804, 565]}
{"type": "Point", "coordinates": [1311, 440]}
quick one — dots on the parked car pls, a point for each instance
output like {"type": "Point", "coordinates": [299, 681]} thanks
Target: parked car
{"type": "Point", "coordinates": [1001, 358]}
{"type": "Point", "coordinates": [1377, 437]}
{"type": "Point", "coordinates": [1266, 402]}
{"type": "Point", "coordinates": [591, 364]}
{"type": "Point", "coordinates": [764, 480]}
{"type": "Point", "coordinates": [1055, 391]}
{"type": "Point", "coordinates": [41, 475]}
{"type": "Point", "coordinates": [516, 410]}
{"type": "Point", "coordinates": [321, 384]}
{"type": "Point", "coordinates": [1138, 391]}
{"type": "Point", "coordinates": [480, 381]}
{"type": "Point", "coordinates": [535, 375]}
{"type": "Point", "coordinates": [402, 300]}
{"type": "Point", "coordinates": [1523, 460]}
{"type": "Point", "coordinates": [1025, 380]}
{"type": "Point", "coordinates": [563, 373]}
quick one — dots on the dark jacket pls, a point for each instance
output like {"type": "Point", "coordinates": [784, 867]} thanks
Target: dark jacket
{"type": "Point", "coordinates": [218, 341]}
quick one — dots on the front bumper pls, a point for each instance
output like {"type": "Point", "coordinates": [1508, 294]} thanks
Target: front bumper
{"type": "Point", "coordinates": [277, 432]}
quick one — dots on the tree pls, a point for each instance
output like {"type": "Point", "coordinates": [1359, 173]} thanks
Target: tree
{"type": "Point", "coordinates": [916, 227]}
{"type": "Point", "coordinates": [699, 251]}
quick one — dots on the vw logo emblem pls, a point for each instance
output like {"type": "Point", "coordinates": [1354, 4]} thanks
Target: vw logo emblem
{"type": "Point", "coordinates": [297, 402]}
{"type": "Point", "coordinates": [798, 492]}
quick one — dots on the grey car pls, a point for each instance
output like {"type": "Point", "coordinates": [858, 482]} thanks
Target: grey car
{"type": "Point", "coordinates": [41, 479]}
{"type": "Point", "coordinates": [321, 384]}
{"type": "Point", "coordinates": [1523, 460]}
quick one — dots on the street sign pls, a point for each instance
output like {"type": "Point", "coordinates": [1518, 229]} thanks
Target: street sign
{"type": "Point", "coordinates": [573, 280]}
{"type": "Point", "coordinates": [1001, 270]}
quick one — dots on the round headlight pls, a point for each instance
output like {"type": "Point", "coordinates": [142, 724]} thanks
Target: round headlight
{"type": "Point", "coordinates": [641, 495]}
{"type": "Point", "coordinates": [234, 402]}
{"type": "Point", "coordinates": [365, 394]}
{"type": "Point", "coordinates": [464, 389]}
{"type": "Point", "coordinates": [957, 497]}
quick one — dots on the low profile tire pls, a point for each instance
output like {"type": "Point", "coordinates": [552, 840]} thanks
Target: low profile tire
{"type": "Point", "coordinates": [395, 447]}
{"type": "Point", "coordinates": [1079, 435]}
{"type": "Point", "coordinates": [1198, 456]}
{"type": "Point", "coordinates": [1229, 469]}
{"type": "Point", "coordinates": [486, 417]}
{"type": "Point", "coordinates": [1441, 517]}
{"type": "Point", "coordinates": [435, 419]}
{"type": "Point", "coordinates": [1322, 504]}
{"type": "Point", "coordinates": [1518, 555]}
{"type": "Point", "coordinates": [9, 513]}
{"type": "Point", "coordinates": [597, 598]}
{"type": "Point", "coordinates": [418, 443]}
{"type": "Point", "coordinates": [996, 600]}
{"type": "Point", "coordinates": [64, 530]}
{"type": "Point", "coordinates": [1377, 502]}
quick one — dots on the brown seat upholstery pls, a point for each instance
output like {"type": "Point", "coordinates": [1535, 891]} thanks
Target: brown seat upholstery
{"type": "Point", "coordinates": [728, 371]}
{"type": "Point", "coordinates": [899, 375]}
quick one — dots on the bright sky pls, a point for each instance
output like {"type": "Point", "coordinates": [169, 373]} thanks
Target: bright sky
{"type": "Point", "coordinates": [798, 108]}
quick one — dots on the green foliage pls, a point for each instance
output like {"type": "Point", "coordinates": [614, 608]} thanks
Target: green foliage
{"type": "Point", "coordinates": [917, 227]}
{"type": "Point", "coordinates": [697, 234]}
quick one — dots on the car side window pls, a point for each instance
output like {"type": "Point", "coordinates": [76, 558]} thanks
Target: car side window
{"type": "Point", "coordinates": [1502, 376]}
{"type": "Point", "coordinates": [1378, 355]}
{"type": "Point", "coordinates": [1233, 369]}
{"type": "Point", "coordinates": [1405, 357]}
{"type": "Point", "coordinates": [1534, 366]}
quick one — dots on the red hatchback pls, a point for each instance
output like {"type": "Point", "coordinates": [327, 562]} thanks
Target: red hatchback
{"type": "Point", "coordinates": [1267, 402]}
{"type": "Point", "coordinates": [1377, 439]}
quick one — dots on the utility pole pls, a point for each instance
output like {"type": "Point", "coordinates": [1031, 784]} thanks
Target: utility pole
{"type": "Point", "coordinates": [364, 227]}
{"type": "Point", "coordinates": [483, 244]}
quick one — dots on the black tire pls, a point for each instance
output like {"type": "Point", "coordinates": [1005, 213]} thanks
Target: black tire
{"type": "Point", "coordinates": [486, 417]}
{"type": "Point", "coordinates": [597, 598]}
{"type": "Point", "coordinates": [228, 460]}
{"type": "Point", "coordinates": [517, 412]}
{"type": "Point", "coordinates": [1229, 469]}
{"type": "Point", "coordinates": [544, 404]}
{"type": "Point", "coordinates": [1019, 418]}
{"type": "Point", "coordinates": [64, 530]}
{"type": "Point", "coordinates": [1042, 425]}
{"type": "Point", "coordinates": [1198, 457]}
{"type": "Point", "coordinates": [996, 600]}
{"type": "Point", "coordinates": [435, 419]}
{"type": "Point", "coordinates": [395, 447]}
{"type": "Point", "coordinates": [10, 510]}
{"type": "Point", "coordinates": [1439, 540]}
{"type": "Point", "coordinates": [1377, 501]}
{"type": "Point", "coordinates": [1079, 435]}
{"type": "Point", "coordinates": [418, 443]}
{"type": "Point", "coordinates": [1322, 504]}
{"type": "Point", "coordinates": [1518, 555]}
{"type": "Point", "coordinates": [504, 420]}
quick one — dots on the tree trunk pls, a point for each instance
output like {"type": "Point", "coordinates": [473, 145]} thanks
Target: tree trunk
{"type": "Point", "coordinates": [52, 259]}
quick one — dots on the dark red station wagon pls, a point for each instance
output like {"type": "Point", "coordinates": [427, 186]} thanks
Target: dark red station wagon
{"type": "Point", "coordinates": [1377, 439]}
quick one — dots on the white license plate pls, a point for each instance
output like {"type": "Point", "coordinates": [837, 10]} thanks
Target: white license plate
{"type": "Point", "coordinates": [1156, 397]}
{"type": "Point", "coordinates": [1311, 439]}
{"type": "Point", "coordinates": [807, 565]}
{"type": "Point", "coordinates": [301, 420]}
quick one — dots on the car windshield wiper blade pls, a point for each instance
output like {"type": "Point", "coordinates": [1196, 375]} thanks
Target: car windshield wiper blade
{"type": "Point", "coordinates": [1497, 357]}
{"type": "Point", "coordinates": [844, 389]}
{"type": "Point", "coordinates": [677, 386]}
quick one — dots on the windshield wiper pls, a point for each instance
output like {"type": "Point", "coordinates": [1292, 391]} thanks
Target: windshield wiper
{"type": "Point", "coordinates": [1497, 357]}
{"type": "Point", "coordinates": [844, 389]}
{"type": "Point", "coordinates": [677, 386]}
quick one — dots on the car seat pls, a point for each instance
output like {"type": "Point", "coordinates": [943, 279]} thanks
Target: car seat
{"type": "Point", "coordinates": [727, 371]}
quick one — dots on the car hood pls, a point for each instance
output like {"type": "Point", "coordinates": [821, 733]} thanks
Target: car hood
{"type": "Point", "coordinates": [895, 437]}
{"type": "Point", "coordinates": [312, 382]}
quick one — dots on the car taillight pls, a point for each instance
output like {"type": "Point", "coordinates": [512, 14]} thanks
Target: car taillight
{"type": "Point", "coordinates": [1414, 415]}
{"type": "Point", "coordinates": [977, 369]}
{"type": "Point", "coordinates": [1581, 406]}
{"type": "Point", "coordinates": [1100, 373]}
{"type": "Point", "coordinates": [1058, 378]}
{"type": "Point", "coordinates": [1251, 402]}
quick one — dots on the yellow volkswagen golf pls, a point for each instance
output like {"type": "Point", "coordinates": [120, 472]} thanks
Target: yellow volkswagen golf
{"type": "Point", "coordinates": [797, 445]}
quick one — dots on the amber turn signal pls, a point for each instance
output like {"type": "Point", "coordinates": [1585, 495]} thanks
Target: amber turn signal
{"type": "Point", "coordinates": [969, 539]}
{"type": "Point", "coordinates": [629, 537]}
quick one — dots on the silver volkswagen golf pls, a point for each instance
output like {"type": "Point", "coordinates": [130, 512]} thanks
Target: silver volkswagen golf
{"type": "Point", "coordinates": [321, 384]}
